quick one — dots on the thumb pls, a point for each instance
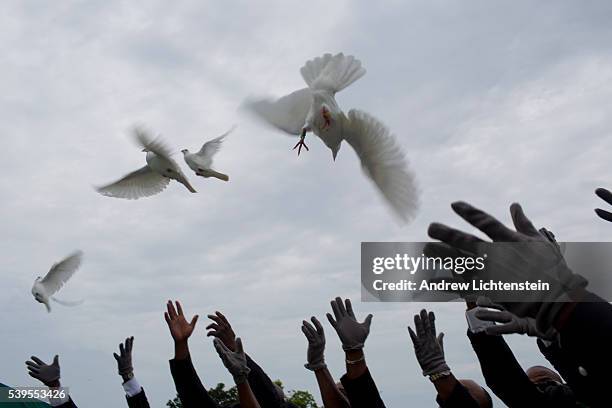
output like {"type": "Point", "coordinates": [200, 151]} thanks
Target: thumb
{"type": "Point", "coordinates": [56, 360]}
{"type": "Point", "coordinates": [239, 348]}
{"type": "Point", "coordinates": [441, 341]}
{"type": "Point", "coordinates": [368, 321]}
{"type": "Point", "coordinates": [194, 321]}
{"type": "Point", "coordinates": [116, 356]}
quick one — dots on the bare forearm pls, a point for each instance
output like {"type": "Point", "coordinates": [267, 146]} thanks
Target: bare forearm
{"type": "Point", "coordinates": [355, 364]}
{"type": "Point", "coordinates": [331, 395]}
{"type": "Point", "coordinates": [445, 386]}
{"type": "Point", "coordinates": [181, 350]}
{"type": "Point", "coordinates": [246, 396]}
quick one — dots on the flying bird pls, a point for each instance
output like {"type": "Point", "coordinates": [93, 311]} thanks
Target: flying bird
{"type": "Point", "coordinates": [151, 179]}
{"type": "Point", "coordinates": [58, 275]}
{"type": "Point", "coordinates": [314, 109]}
{"type": "Point", "coordinates": [201, 162]}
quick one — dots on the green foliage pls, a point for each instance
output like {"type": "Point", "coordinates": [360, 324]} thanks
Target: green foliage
{"type": "Point", "coordinates": [226, 397]}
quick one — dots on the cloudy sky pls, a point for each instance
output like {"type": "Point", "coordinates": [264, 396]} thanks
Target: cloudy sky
{"type": "Point", "coordinates": [494, 102]}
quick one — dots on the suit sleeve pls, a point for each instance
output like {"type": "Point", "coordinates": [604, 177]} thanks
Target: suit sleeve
{"type": "Point", "coordinates": [189, 388]}
{"type": "Point", "coordinates": [585, 351]}
{"type": "Point", "coordinates": [502, 372]}
{"type": "Point", "coordinates": [362, 391]}
{"type": "Point", "coordinates": [460, 398]}
{"type": "Point", "coordinates": [138, 401]}
{"type": "Point", "coordinates": [263, 388]}
{"type": "Point", "coordinates": [68, 404]}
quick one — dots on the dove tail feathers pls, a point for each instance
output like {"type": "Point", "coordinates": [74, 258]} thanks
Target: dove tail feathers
{"type": "Point", "coordinates": [211, 173]}
{"type": "Point", "coordinates": [332, 72]}
{"type": "Point", "coordinates": [66, 302]}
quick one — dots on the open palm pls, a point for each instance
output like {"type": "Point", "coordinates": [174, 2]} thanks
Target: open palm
{"type": "Point", "coordinates": [180, 328]}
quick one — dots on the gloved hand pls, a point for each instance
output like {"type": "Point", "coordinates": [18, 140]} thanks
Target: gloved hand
{"type": "Point", "coordinates": [605, 195]}
{"type": "Point", "coordinates": [124, 359]}
{"type": "Point", "coordinates": [47, 374]}
{"type": "Point", "coordinates": [316, 344]}
{"type": "Point", "coordinates": [221, 329]}
{"type": "Point", "coordinates": [352, 333]}
{"type": "Point", "coordinates": [428, 348]}
{"type": "Point", "coordinates": [529, 255]}
{"type": "Point", "coordinates": [234, 361]}
{"type": "Point", "coordinates": [507, 323]}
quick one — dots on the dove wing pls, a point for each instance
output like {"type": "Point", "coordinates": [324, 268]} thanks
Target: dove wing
{"type": "Point", "coordinates": [157, 146]}
{"type": "Point", "coordinates": [143, 182]}
{"type": "Point", "coordinates": [287, 113]}
{"type": "Point", "coordinates": [383, 162]}
{"type": "Point", "coordinates": [60, 272]}
{"type": "Point", "coordinates": [210, 148]}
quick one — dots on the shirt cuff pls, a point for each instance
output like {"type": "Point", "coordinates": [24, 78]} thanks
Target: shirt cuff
{"type": "Point", "coordinates": [132, 387]}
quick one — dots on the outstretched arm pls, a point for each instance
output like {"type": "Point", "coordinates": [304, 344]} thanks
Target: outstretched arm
{"type": "Point", "coordinates": [49, 375]}
{"type": "Point", "coordinates": [134, 393]}
{"type": "Point", "coordinates": [188, 385]}
{"type": "Point", "coordinates": [331, 395]}
{"type": "Point", "coordinates": [236, 364]}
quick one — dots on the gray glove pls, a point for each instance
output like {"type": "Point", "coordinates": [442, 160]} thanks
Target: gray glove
{"type": "Point", "coordinates": [316, 344]}
{"type": "Point", "coordinates": [529, 255]}
{"type": "Point", "coordinates": [428, 348]}
{"type": "Point", "coordinates": [234, 361]}
{"type": "Point", "coordinates": [352, 333]}
{"type": "Point", "coordinates": [508, 323]}
{"type": "Point", "coordinates": [124, 359]}
{"type": "Point", "coordinates": [47, 374]}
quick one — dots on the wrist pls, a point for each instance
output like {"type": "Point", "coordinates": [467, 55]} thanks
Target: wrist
{"type": "Point", "coordinates": [127, 377]}
{"type": "Point", "coordinates": [54, 384]}
{"type": "Point", "coordinates": [354, 354]}
{"type": "Point", "coordinates": [181, 349]}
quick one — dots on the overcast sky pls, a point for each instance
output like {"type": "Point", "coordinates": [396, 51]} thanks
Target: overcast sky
{"type": "Point", "coordinates": [493, 102]}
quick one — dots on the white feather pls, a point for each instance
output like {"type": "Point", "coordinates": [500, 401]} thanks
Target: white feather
{"type": "Point", "coordinates": [384, 162]}
{"type": "Point", "coordinates": [287, 113]}
{"type": "Point", "coordinates": [143, 182]}
{"type": "Point", "coordinates": [332, 73]}
{"type": "Point", "coordinates": [60, 272]}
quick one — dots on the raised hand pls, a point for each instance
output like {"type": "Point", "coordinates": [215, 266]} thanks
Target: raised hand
{"type": "Point", "coordinates": [508, 323]}
{"type": "Point", "coordinates": [528, 255]}
{"type": "Point", "coordinates": [180, 328]}
{"type": "Point", "coordinates": [605, 195]}
{"type": "Point", "coordinates": [316, 344]}
{"type": "Point", "coordinates": [234, 361]}
{"type": "Point", "coordinates": [48, 374]}
{"type": "Point", "coordinates": [222, 330]}
{"type": "Point", "coordinates": [428, 348]}
{"type": "Point", "coordinates": [124, 359]}
{"type": "Point", "coordinates": [352, 334]}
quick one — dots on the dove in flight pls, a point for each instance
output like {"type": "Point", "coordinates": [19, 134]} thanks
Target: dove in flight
{"type": "Point", "coordinates": [201, 162]}
{"type": "Point", "coordinates": [44, 288]}
{"type": "Point", "coordinates": [151, 179]}
{"type": "Point", "coordinates": [314, 109]}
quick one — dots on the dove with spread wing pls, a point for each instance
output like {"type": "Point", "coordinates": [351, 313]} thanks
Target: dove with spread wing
{"type": "Point", "coordinates": [44, 288]}
{"type": "Point", "coordinates": [201, 162]}
{"type": "Point", "coordinates": [314, 109]}
{"type": "Point", "coordinates": [151, 179]}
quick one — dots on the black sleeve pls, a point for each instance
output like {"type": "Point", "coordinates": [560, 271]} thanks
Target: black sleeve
{"type": "Point", "coordinates": [503, 374]}
{"type": "Point", "coordinates": [262, 386]}
{"type": "Point", "coordinates": [585, 343]}
{"type": "Point", "coordinates": [460, 398]}
{"type": "Point", "coordinates": [189, 388]}
{"type": "Point", "coordinates": [362, 391]}
{"type": "Point", "coordinates": [138, 401]}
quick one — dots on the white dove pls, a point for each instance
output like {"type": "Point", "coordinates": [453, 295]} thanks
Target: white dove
{"type": "Point", "coordinates": [201, 162]}
{"type": "Point", "coordinates": [58, 275]}
{"type": "Point", "coordinates": [150, 179]}
{"type": "Point", "coordinates": [314, 109]}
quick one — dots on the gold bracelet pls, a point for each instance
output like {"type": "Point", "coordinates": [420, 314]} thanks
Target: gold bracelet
{"type": "Point", "coordinates": [352, 362]}
{"type": "Point", "coordinates": [437, 376]}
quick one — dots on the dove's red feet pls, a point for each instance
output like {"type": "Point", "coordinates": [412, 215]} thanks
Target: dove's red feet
{"type": "Point", "coordinates": [326, 118]}
{"type": "Point", "coordinates": [301, 143]}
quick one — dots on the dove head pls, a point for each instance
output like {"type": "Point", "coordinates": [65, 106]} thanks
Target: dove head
{"type": "Point", "coordinates": [184, 151]}
{"type": "Point", "coordinates": [145, 150]}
